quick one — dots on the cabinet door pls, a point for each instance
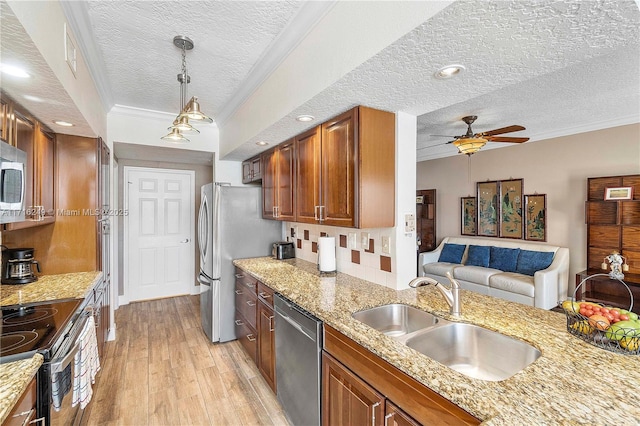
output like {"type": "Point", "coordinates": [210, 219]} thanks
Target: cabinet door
{"type": "Point", "coordinates": [25, 141]}
{"type": "Point", "coordinates": [4, 120]}
{"type": "Point", "coordinates": [44, 190]}
{"type": "Point", "coordinates": [339, 168]}
{"type": "Point", "coordinates": [394, 416]}
{"type": "Point", "coordinates": [266, 344]}
{"type": "Point", "coordinates": [269, 162]}
{"type": "Point", "coordinates": [256, 171]}
{"type": "Point", "coordinates": [285, 184]}
{"type": "Point", "coordinates": [308, 146]}
{"type": "Point", "coordinates": [347, 400]}
{"type": "Point", "coordinates": [246, 171]}
{"type": "Point", "coordinates": [246, 336]}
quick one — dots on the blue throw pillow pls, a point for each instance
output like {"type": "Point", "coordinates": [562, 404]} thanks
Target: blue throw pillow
{"type": "Point", "coordinates": [452, 253]}
{"type": "Point", "coordinates": [478, 256]}
{"type": "Point", "coordinates": [531, 261]}
{"type": "Point", "coordinates": [504, 259]}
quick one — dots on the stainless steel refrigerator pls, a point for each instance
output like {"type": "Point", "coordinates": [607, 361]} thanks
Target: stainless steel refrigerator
{"type": "Point", "coordinates": [230, 226]}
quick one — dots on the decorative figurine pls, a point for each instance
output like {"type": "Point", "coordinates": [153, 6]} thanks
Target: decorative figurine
{"type": "Point", "coordinates": [617, 263]}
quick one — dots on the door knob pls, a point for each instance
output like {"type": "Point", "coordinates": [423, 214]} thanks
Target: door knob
{"type": "Point", "coordinates": [186, 240]}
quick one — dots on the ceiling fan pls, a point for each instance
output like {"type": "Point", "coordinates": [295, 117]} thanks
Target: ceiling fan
{"type": "Point", "coordinates": [471, 142]}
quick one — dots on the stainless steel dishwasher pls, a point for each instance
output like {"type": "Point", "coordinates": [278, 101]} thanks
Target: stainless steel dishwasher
{"type": "Point", "coordinates": [298, 362]}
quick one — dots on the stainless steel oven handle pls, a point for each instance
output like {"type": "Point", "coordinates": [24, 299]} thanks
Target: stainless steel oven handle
{"type": "Point", "coordinates": [58, 365]}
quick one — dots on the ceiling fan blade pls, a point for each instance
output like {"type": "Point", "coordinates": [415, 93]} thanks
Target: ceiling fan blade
{"type": "Point", "coordinates": [506, 139]}
{"type": "Point", "coordinates": [502, 130]}
{"type": "Point", "coordinates": [433, 146]}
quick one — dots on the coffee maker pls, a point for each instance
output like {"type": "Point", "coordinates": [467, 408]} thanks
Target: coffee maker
{"type": "Point", "coordinates": [17, 266]}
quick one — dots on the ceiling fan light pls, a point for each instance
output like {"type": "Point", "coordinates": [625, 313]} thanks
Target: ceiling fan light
{"type": "Point", "coordinates": [175, 136]}
{"type": "Point", "coordinates": [469, 146]}
{"type": "Point", "coordinates": [192, 111]}
{"type": "Point", "coordinates": [181, 123]}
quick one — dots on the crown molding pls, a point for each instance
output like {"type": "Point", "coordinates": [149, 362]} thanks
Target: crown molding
{"type": "Point", "coordinates": [296, 30]}
{"type": "Point", "coordinates": [78, 18]}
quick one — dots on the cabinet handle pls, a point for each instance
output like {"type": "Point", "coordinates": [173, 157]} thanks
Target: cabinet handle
{"type": "Point", "coordinates": [315, 212]}
{"type": "Point", "coordinates": [273, 211]}
{"type": "Point", "coordinates": [238, 276]}
{"type": "Point", "coordinates": [322, 216]}
{"type": "Point", "coordinates": [39, 421]}
{"type": "Point", "coordinates": [238, 292]}
{"type": "Point", "coordinates": [373, 413]}
{"type": "Point", "coordinates": [250, 303]}
{"type": "Point", "coordinates": [250, 285]}
{"type": "Point", "coordinates": [264, 295]}
{"type": "Point", "coordinates": [271, 323]}
{"type": "Point", "coordinates": [386, 419]}
{"type": "Point", "coordinates": [251, 338]}
{"type": "Point", "coordinates": [238, 322]}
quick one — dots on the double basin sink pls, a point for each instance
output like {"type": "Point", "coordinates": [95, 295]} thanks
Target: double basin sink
{"type": "Point", "coordinates": [472, 350]}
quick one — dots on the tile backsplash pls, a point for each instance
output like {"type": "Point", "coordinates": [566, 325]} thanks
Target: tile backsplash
{"type": "Point", "coordinates": [358, 251]}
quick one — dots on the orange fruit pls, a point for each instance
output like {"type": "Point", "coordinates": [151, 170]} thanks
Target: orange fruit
{"type": "Point", "coordinates": [599, 321]}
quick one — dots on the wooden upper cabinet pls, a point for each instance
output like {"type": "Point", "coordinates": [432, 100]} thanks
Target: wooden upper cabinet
{"type": "Point", "coordinates": [25, 131]}
{"type": "Point", "coordinates": [251, 170]}
{"type": "Point", "coordinates": [278, 182]}
{"type": "Point", "coordinates": [338, 172]}
{"type": "Point", "coordinates": [44, 173]}
{"type": "Point", "coordinates": [308, 146]}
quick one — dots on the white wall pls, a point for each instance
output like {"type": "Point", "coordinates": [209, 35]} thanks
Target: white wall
{"type": "Point", "coordinates": [557, 167]}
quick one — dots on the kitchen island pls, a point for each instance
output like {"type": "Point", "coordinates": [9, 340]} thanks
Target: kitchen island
{"type": "Point", "coordinates": [571, 383]}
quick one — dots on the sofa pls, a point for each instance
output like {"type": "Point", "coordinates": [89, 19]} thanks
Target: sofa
{"type": "Point", "coordinates": [534, 274]}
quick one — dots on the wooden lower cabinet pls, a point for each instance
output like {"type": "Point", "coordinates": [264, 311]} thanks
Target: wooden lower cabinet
{"type": "Point", "coordinates": [247, 336]}
{"type": "Point", "coordinates": [346, 399]}
{"type": "Point", "coordinates": [24, 411]}
{"type": "Point", "coordinates": [266, 344]}
{"type": "Point", "coordinates": [354, 377]}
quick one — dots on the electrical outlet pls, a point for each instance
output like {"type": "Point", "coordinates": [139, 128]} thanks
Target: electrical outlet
{"type": "Point", "coordinates": [351, 242]}
{"type": "Point", "coordinates": [386, 245]}
{"type": "Point", "coordinates": [364, 240]}
{"type": "Point", "coordinates": [409, 222]}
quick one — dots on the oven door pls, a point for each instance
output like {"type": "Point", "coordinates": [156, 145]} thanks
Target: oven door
{"type": "Point", "coordinates": [62, 370]}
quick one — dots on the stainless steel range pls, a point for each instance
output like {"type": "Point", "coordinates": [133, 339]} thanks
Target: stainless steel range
{"type": "Point", "coordinates": [51, 329]}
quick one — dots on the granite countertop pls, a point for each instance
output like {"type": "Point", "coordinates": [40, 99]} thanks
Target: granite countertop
{"type": "Point", "coordinates": [74, 285]}
{"type": "Point", "coordinates": [572, 382]}
{"type": "Point", "coordinates": [14, 378]}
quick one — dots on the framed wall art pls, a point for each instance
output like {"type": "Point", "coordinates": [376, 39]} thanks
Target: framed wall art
{"type": "Point", "coordinates": [536, 217]}
{"type": "Point", "coordinates": [468, 215]}
{"type": "Point", "coordinates": [511, 208]}
{"type": "Point", "coordinates": [487, 209]}
{"type": "Point", "coordinates": [620, 193]}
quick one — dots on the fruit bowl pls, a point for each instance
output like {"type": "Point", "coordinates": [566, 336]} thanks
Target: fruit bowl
{"type": "Point", "coordinates": [613, 329]}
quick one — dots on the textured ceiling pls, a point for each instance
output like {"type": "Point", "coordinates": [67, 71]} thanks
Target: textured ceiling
{"type": "Point", "coordinates": [555, 67]}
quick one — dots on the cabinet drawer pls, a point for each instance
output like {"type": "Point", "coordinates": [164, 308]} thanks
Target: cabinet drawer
{"type": "Point", "coordinates": [245, 279]}
{"type": "Point", "coordinates": [265, 294]}
{"type": "Point", "coordinates": [246, 335]}
{"type": "Point", "coordinates": [246, 303]}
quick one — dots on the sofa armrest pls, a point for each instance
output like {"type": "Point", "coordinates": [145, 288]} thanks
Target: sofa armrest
{"type": "Point", "coordinates": [429, 257]}
{"type": "Point", "coordinates": [551, 284]}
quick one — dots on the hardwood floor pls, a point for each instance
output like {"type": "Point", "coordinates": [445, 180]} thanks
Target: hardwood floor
{"type": "Point", "coordinates": [161, 370]}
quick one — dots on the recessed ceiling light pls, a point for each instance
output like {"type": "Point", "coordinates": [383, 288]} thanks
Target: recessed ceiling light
{"type": "Point", "coordinates": [449, 71]}
{"type": "Point", "coordinates": [14, 71]}
{"type": "Point", "coordinates": [305, 117]}
{"type": "Point", "coordinates": [63, 123]}
{"type": "Point", "coordinates": [262, 143]}
{"type": "Point", "coordinates": [33, 98]}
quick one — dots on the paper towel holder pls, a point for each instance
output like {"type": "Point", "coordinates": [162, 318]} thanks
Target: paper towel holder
{"type": "Point", "coordinates": [327, 255]}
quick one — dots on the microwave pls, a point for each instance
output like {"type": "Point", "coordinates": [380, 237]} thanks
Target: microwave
{"type": "Point", "coordinates": [12, 183]}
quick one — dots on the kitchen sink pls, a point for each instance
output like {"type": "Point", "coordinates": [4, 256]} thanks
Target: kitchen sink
{"type": "Point", "coordinates": [396, 319]}
{"type": "Point", "coordinates": [474, 351]}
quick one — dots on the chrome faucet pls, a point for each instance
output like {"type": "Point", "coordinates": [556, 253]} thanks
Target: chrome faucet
{"type": "Point", "coordinates": [452, 295]}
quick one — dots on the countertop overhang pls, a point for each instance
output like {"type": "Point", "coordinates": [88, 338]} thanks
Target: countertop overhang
{"type": "Point", "coordinates": [571, 383]}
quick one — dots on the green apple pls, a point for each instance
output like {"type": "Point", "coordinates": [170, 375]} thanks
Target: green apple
{"type": "Point", "coordinates": [623, 329]}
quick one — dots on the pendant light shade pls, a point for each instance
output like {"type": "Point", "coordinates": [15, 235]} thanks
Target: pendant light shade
{"type": "Point", "coordinates": [189, 111]}
{"type": "Point", "coordinates": [175, 136]}
{"type": "Point", "coordinates": [469, 145]}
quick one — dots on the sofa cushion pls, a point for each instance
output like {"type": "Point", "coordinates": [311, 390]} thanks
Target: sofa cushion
{"type": "Point", "coordinates": [513, 282]}
{"type": "Point", "coordinates": [452, 253]}
{"type": "Point", "coordinates": [474, 274]}
{"type": "Point", "coordinates": [531, 261]}
{"type": "Point", "coordinates": [504, 258]}
{"type": "Point", "coordinates": [439, 268]}
{"type": "Point", "coordinates": [478, 256]}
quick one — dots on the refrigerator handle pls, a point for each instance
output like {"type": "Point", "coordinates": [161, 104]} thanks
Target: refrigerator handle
{"type": "Point", "coordinates": [203, 280]}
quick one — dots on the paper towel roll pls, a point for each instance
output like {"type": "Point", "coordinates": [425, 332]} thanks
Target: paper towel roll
{"type": "Point", "coordinates": [327, 254]}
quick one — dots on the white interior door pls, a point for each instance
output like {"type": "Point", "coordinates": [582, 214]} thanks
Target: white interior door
{"type": "Point", "coordinates": [159, 250]}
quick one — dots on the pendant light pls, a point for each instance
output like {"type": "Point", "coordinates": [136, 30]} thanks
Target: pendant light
{"type": "Point", "coordinates": [189, 111]}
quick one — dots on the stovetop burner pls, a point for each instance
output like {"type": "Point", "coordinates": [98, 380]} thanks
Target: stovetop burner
{"type": "Point", "coordinates": [28, 315]}
{"type": "Point", "coordinates": [30, 328]}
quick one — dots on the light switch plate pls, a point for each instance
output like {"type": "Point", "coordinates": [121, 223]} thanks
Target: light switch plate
{"type": "Point", "coordinates": [409, 222]}
{"type": "Point", "coordinates": [386, 245]}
